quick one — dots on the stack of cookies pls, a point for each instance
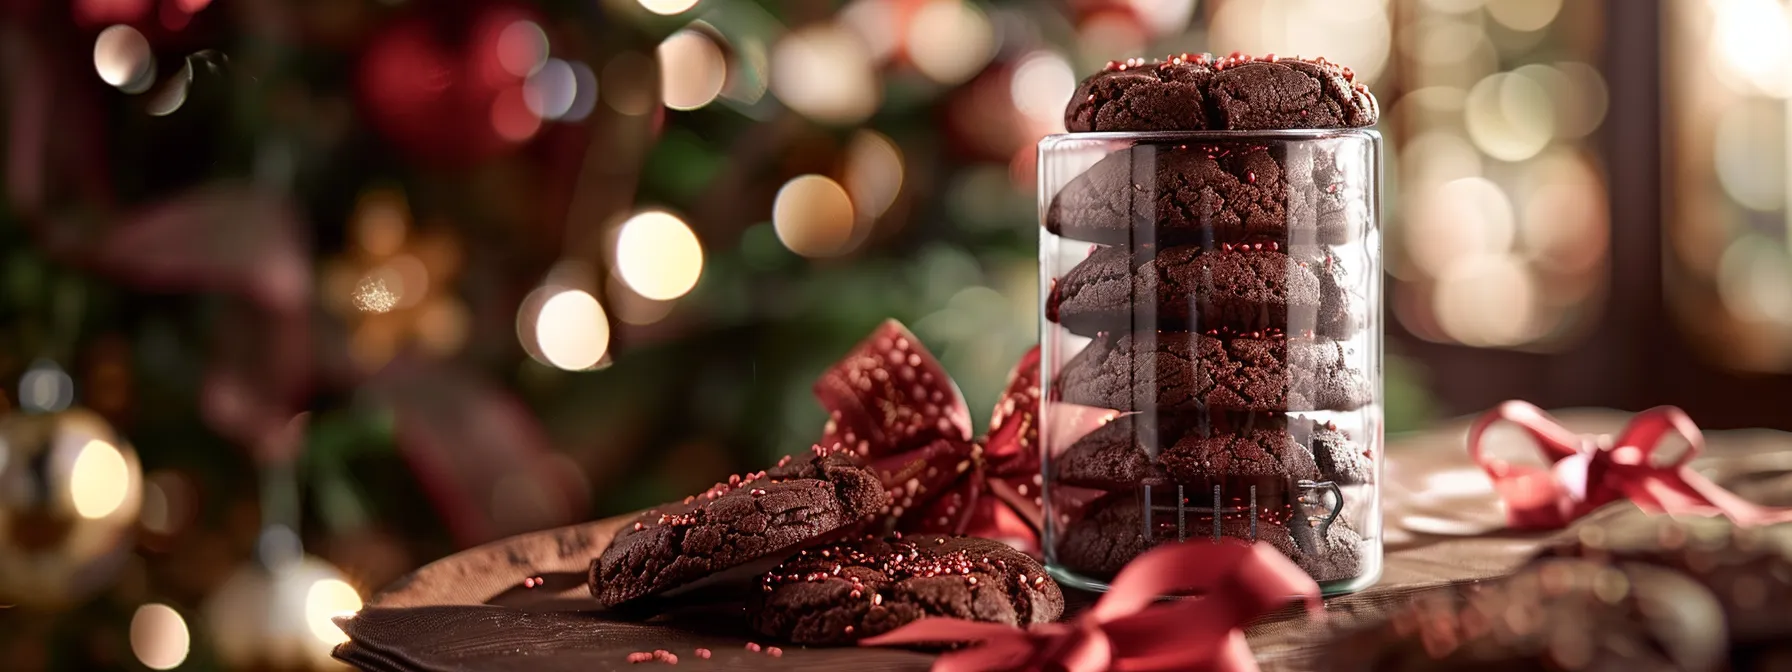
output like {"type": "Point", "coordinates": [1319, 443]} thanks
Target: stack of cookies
{"type": "Point", "coordinates": [1221, 307]}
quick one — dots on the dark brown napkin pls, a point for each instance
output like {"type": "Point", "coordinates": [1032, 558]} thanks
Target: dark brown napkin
{"type": "Point", "coordinates": [472, 610]}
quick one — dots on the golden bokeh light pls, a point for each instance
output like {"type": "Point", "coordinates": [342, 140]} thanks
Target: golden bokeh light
{"type": "Point", "coordinates": [381, 220]}
{"type": "Point", "coordinates": [1487, 301]}
{"type": "Point", "coordinates": [1524, 15]}
{"type": "Point", "coordinates": [99, 480]}
{"type": "Point", "coordinates": [668, 7]}
{"type": "Point", "coordinates": [159, 637]}
{"type": "Point", "coordinates": [874, 173]}
{"type": "Point", "coordinates": [813, 216]}
{"type": "Point", "coordinates": [950, 40]}
{"type": "Point", "coordinates": [633, 308]}
{"type": "Point", "coordinates": [1752, 280]}
{"type": "Point", "coordinates": [325, 600]}
{"type": "Point", "coordinates": [1749, 154]}
{"type": "Point", "coordinates": [1458, 221]}
{"type": "Point", "coordinates": [870, 21]}
{"type": "Point", "coordinates": [692, 70]}
{"type": "Point", "coordinates": [1042, 84]}
{"type": "Point", "coordinates": [1751, 45]}
{"type": "Point", "coordinates": [1164, 17]}
{"type": "Point", "coordinates": [658, 255]}
{"type": "Point", "coordinates": [1345, 31]}
{"type": "Point", "coordinates": [571, 330]}
{"type": "Point", "coordinates": [122, 58]}
{"type": "Point", "coordinates": [376, 292]}
{"type": "Point", "coordinates": [1510, 116]}
{"type": "Point", "coordinates": [825, 73]}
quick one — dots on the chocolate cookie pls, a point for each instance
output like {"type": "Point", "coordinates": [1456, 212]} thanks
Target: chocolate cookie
{"type": "Point", "coordinates": [1111, 531]}
{"type": "Point", "coordinates": [1199, 92]}
{"type": "Point", "coordinates": [1194, 193]}
{"type": "Point", "coordinates": [1189, 288]}
{"type": "Point", "coordinates": [845, 592]}
{"type": "Point", "coordinates": [1749, 570]}
{"type": "Point", "coordinates": [1561, 614]}
{"type": "Point", "coordinates": [1181, 371]}
{"type": "Point", "coordinates": [733, 524]}
{"type": "Point", "coordinates": [1195, 450]}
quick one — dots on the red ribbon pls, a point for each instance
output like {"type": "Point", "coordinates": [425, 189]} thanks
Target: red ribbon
{"type": "Point", "coordinates": [1128, 630]}
{"type": "Point", "coordinates": [892, 405]}
{"type": "Point", "coordinates": [1587, 472]}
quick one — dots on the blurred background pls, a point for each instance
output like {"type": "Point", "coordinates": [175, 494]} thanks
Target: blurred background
{"type": "Point", "coordinates": [295, 296]}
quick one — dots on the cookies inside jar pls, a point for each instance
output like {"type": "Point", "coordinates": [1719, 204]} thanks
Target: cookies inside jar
{"type": "Point", "coordinates": [1211, 325]}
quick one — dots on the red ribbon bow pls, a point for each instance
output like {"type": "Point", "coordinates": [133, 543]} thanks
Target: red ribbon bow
{"type": "Point", "coordinates": [892, 405]}
{"type": "Point", "coordinates": [1587, 472]}
{"type": "Point", "coordinates": [1128, 630]}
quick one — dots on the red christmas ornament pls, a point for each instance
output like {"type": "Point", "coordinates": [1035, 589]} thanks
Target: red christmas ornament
{"type": "Point", "coordinates": [449, 91]}
{"type": "Point", "coordinates": [891, 404]}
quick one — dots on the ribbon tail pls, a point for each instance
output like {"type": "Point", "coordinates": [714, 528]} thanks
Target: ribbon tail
{"type": "Point", "coordinates": [1684, 491]}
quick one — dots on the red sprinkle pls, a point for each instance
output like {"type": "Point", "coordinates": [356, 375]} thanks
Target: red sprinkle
{"type": "Point", "coordinates": [774, 652]}
{"type": "Point", "coordinates": [753, 647]}
{"type": "Point", "coordinates": [703, 653]}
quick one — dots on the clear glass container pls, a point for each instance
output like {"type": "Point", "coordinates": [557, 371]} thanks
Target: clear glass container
{"type": "Point", "coordinates": [1211, 340]}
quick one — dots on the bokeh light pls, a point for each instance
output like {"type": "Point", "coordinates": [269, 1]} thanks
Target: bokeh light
{"type": "Point", "coordinates": [825, 73]}
{"type": "Point", "coordinates": [658, 255]}
{"type": "Point", "coordinates": [324, 601]}
{"type": "Point", "coordinates": [159, 637]}
{"type": "Point", "coordinates": [668, 7]}
{"type": "Point", "coordinates": [949, 40]}
{"type": "Point", "coordinates": [45, 387]}
{"type": "Point", "coordinates": [1750, 154]}
{"type": "Point", "coordinates": [512, 116]}
{"type": "Point", "coordinates": [1524, 15]}
{"type": "Point", "coordinates": [584, 93]}
{"type": "Point", "coordinates": [1346, 31]}
{"type": "Point", "coordinates": [874, 172]}
{"type": "Point", "coordinates": [1510, 116]}
{"type": "Point", "coordinates": [1460, 220]}
{"type": "Point", "coordinates": [1752, 45]}
{"type": "Point", "coordinates": [871, 22]}
{"type": "Point", "coordinates": [122, 58]}
{"type": "Point", "coordinates": [522, 48]}
{"type": "Point", "coordinates": [1042, 85]}
{"type": "Point", "coordinates": [1487, 301]}
{"type": "Point", "coordinates": [813, 216]}
{"type": "Point", "coordinates": [571, 330]}
{"type": "Point", "coordinates": [1164, 17]}
{"type": "Point", "coordinates": [632, 308]}
{"type": "Point", "coordinates": [552, 91]}
{"type": "Point", "coordinates": [375, 293]}
{"type": "Point", "coordinates": [692, 70]}
{"type": "Point", "coordinates": [99, 480]}
{"type": "Point", "coordinates": [1752, 280]}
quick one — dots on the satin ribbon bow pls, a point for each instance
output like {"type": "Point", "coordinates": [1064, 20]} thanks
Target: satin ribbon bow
{"type": "Point", "coordinates": [1587, 472]}
{"type": "Point", "coordinates": [1129, 630]}
{"type": "Point", "coordinates": [891, 405]}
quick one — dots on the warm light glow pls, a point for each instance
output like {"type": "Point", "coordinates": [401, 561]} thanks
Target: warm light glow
{"type": "Point", "coordinates": [380, 221]}
{"type": "Point", "coordinates": [668, 7]}
{"type": "Point", "coordinates": [1042, 84]}
{"type": "Point", "coordinates": [375, 293]}
{"type": "Point", "coordinates": [658, 255]}
{"type": "Point", "coordinates": [1487, 301]}
{"type": "Point", "coordinates": [870, 21]}
{"type": "Point", "coordinates": [825, 73]}
{"type": "Point", "coordinates": [813, 216]}
{"type": "Point", "coordinates": [122, 58]}
{"type": "Point", "coordinates": [873, 172]}
{"type": "Point", "coordinates": [552, 91]}
{"type": "Point", "coordinates": [325, 600]}
{"type": "Point", "coordinates": [1749, 154]}
{"type": "Point", "coordinates": [99, 480]}
{"type": "Point", "coordinates": [1753, 42]}
{"type": "Point", "coordinates": [1753, 278]}
{"type": "Point", "coordinates": [1355, 32]}
{"type": "Point", "coordinates": [1460, 220]}
{"type": "Point", "coordinates": [1524, 15]}
{"type": "Point", "coordinates": [1510, 116]}
{"type": "Point", "coordinates": [159, 637]}
{"type": "Point", "coordinates": [635, 309]}
{"type": "Point", "coordinates": [1164, 17]}
{"type": "Point", "coordinates": [522, 48]}
{"type": "Point", "coordinates": [692, 70]}
{"type": "Point", "coordinates": [949, 40]}
{"type": "Point", "coordinates": [572, 331]}
{"type": "Point", "coordinates": [512, 116]}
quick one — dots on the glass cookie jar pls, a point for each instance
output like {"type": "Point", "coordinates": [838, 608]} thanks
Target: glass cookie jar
{"type": "Point", "coordinates": [1211, 347]}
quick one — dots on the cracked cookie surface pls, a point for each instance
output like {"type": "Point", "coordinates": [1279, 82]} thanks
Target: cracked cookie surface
{"type": "Point", "coordinates": [1182, 371]}
{"type": "Point", "coordinates": [1111, 531]}
{"type": "Point", "coordinates": [848, 591]}
{"type": "Point", "coordinates": [1117, 455]}
{"type": "Point", "coordinates": [733, 524]}
{"type": "Point", "coordinates": [1200, 92]}
{"type": "Point", "coordinates": [1191, 288]}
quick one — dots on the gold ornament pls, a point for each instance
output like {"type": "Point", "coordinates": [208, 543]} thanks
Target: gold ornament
{"type": "Point", "coordinates": [280, 618]}
{"type": "Point", "coordinates": [70, 490]}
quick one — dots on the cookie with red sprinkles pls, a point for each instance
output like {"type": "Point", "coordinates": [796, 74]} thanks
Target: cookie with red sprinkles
{"type": "Point", "coordinates": [845, 592]}
{"type": "Point", "coordinates": [1193, 92]}
{"type": "Point", "coordinates": [734, 523]}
